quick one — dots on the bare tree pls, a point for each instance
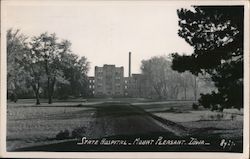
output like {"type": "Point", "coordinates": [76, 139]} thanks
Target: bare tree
{"type": "Point", "coordinates": [165, 82]}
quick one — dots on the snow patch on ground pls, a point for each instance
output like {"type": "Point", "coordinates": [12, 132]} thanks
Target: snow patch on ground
{"type": "Point", "coordinates": [200, 115]}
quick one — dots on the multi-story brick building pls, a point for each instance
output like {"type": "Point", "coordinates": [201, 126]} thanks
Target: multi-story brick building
{"type": "Point", "coordinates": [92, 85]}
{"type": "Point", "coordinates": [109, 81]}
{"type": "Point", "coordinates": [126, 86]}
{"type": "Point", "coordinates": [135, 85]}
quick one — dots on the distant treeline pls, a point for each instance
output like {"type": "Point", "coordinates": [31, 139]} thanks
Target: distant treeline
{"type": "Point", "coordinates": [160, 81]}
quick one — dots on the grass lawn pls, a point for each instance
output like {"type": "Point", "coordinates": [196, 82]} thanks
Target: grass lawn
{"type": "Point", "coordinates": [29, 124]}
{"type": "Point", "coordinates": [227, 124]}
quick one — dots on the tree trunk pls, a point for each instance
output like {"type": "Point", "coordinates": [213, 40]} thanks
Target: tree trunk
{"type": "Point", "coordinates": [176, 92]}
{"type": "Point", "coordinates": [50, 100]}
{"type": "Point", "coordinates": [185, 93]}
{"type": "Point", "coordinates": [157, 91]}
{"type": "Point", "coordinates": [48, 82]}
{"type": "Point", "coordinates": [37, 98]}
{"type": "Point", "coordinates": [195, 88]}
{"type": "Point", "coordinates": [52, 89]}
{"type": "Point", "coordinates": [51, 85]}
{"type": "Point", "coordinates": [49, 91]}
{"type": "Point", "coordinates": [36, 90]}
{"type": "Point", "coordinates": [15, 90]}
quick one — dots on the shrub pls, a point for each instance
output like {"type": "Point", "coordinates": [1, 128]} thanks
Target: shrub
{"type": "Point", "coordinates": [219, 116]}
{"type": "Point", "coordinates": [211, 117]}
{"type": "Point", "coordinates": [13, 97]}
{"type": "Point", "coordinates": [171, 109]}
{"type": "Point", "coordinates": [79, 105]}
{"type": "Point", "coordinates": [233, 116]}
{"type": "Point", "coordinates": [78, 132]}
{"type": "Point", "coordinates": [195, 106]}
{"type": "Point", "coordinates": [62, 135]}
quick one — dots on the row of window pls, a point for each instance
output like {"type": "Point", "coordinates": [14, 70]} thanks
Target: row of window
{"type": "Point", "coordinates": [117, 93]}
{"type": "Point", "coordinates": [91, 86]}
{"type": "Point", "coordinates": [99, 86]}
{"type": "Point", "coordinates": [100, 78]}
{"type": "Point", "coordinates": [126, 93]}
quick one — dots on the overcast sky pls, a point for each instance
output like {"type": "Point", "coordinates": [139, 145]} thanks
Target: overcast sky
{"type": "Point", "coordinates": [105, 32]}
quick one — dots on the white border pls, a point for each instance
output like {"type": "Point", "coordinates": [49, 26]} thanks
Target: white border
{"type": "Point", "coordinates": [3, 153]}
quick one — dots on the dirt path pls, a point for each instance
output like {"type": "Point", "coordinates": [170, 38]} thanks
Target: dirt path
{"type": "Point", "coordinates": [114, 119]}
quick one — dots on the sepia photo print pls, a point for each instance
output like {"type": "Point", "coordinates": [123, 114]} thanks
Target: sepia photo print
{"type": "Point", "coordinates": [124, 76]}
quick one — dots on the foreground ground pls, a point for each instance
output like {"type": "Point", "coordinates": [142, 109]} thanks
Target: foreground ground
{"type": "Point", "coordinates": [31, 127]}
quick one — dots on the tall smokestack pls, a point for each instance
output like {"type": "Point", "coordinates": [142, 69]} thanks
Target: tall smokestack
{"type": "Point", "coordinates": [129, 65]}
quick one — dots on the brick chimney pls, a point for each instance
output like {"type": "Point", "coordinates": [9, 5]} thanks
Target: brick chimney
{"type": "Point", "coordinates": [129, 65]}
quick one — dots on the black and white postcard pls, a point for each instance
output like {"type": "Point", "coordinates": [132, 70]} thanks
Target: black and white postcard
{"type": "Point", "coordinates": [124, 79]}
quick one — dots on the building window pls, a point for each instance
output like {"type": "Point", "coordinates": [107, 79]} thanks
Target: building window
{"type": "Point", "coordinates": [100, 72]}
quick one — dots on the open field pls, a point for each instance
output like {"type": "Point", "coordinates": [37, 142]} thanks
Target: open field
{"type": "Point", "coordinates": [27, 125]}
{"type": "Point", "coordinates": [31, 125]}
{"type": "Point", "coordinates": [229, 123]}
